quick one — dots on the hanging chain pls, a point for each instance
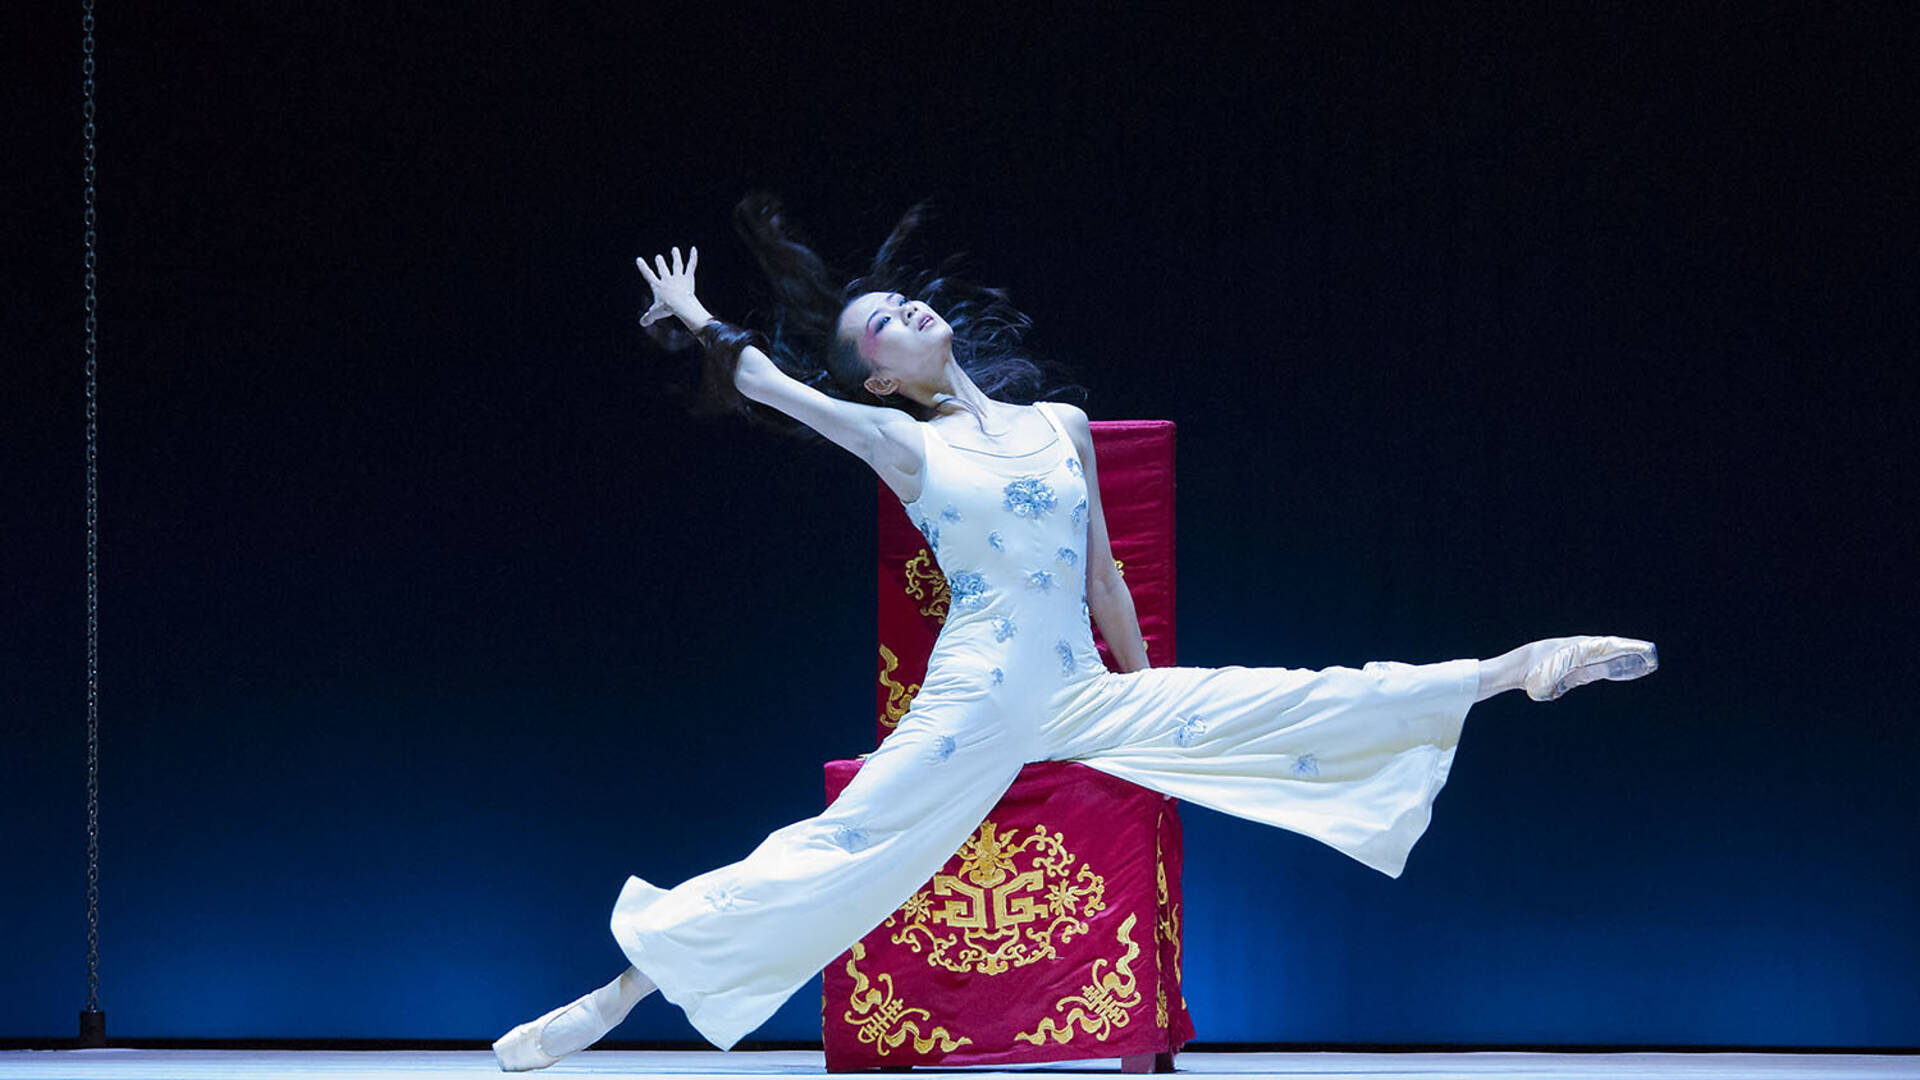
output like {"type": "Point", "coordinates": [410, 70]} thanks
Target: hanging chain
{"type": "Point", "coordinates": [93, 548]}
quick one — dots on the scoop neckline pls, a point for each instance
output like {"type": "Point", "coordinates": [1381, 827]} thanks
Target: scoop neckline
{"type": "Point", "coordinates": [1059, 436]}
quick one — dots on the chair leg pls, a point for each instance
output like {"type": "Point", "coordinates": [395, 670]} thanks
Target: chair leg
{"type": "Point", "coordinates": [1161, 1062]}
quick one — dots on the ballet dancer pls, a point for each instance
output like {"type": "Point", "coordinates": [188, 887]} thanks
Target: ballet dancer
{"type": "Point", "coordinates": [919, 376]}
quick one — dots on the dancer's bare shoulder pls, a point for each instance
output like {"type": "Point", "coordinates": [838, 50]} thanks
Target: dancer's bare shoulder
{"type": "Point", "coordinates": [1074, 419]}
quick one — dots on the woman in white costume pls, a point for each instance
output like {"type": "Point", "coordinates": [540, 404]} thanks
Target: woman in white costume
{"type": "Point", "coordinates": [1008, 498]}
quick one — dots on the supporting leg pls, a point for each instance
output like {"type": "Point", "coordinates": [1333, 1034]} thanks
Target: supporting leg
{"type": "Point", "coordinates": [572, 1027]}
{"type": "Point", "coordinates": [730, 945]}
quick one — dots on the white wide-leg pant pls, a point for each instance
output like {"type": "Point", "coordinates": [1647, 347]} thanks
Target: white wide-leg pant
{"type": "Point", "coordinates": [1351, 757]}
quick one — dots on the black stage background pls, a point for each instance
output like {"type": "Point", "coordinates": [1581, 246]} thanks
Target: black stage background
{"type": "Point", "coordinates": [428, 615]}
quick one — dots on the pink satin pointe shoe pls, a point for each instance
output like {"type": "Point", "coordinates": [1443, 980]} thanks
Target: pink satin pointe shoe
{"type": "Point", "coordinates": [1586, 659]}
{"type": "Point", "coordinates": [537, 1044]}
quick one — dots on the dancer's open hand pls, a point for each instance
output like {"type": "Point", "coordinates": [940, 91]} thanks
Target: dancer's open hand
{"type": "Point", "coordinates": [672, 286]}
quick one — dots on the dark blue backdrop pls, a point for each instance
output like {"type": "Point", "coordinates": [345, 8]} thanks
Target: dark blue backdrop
{"type": "Point", "coordinates": [428, 614]}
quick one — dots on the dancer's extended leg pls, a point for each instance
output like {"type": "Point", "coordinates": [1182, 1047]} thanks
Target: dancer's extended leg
{"type": "Point", "coordinates": [1550, 667]}
{"type": "Point", "coordinates": [572, 1027]}
{"type": "Point", "coordinates": [1352, 757]}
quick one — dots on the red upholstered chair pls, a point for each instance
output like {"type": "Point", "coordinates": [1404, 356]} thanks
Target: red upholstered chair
{"type": "Point", "coordinates": [1054, 933]}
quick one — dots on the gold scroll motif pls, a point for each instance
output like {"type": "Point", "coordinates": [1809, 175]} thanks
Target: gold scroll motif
{"type": "Point", "coordinates": [899, 695]}
{"type": "Point", "coordinates": [997, 914]}
{"type": "Point", "coordinates": [925, 581]}
{"type": "Point", "coordinates": [1101, 1005]}
{"type": "Point", "coordinates": [1117, 570]}
{"type": "Point", "coordinates": [884, 1020]}
{"type": "Point", "coordinates": [1167, 925]}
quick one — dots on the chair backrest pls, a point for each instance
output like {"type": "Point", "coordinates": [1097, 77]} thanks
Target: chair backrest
{"type": "Point", "coordinates": [1134, 462]}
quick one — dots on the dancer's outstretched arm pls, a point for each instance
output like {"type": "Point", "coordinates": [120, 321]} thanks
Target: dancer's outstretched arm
{"type": "Point", "coordinates": [869, 432]}
{"type": "Point", "coordinates": [1108, 599]}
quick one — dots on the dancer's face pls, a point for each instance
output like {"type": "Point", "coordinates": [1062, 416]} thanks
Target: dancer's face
{"type": "Point", "coordinates": [902, 340]}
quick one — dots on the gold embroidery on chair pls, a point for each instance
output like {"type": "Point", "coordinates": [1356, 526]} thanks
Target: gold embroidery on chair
{"type": "Point", "coordinates": [926, 582]}
{"type": "Point", "coordinates": [1167, 925]}
{"type": "Point", "coordinates": [1117, 570]}
{"type": "Point", "coordinates": [1001, 915]}
{"type": "Point", "coordinates": [1159, 861]}
{"type": "Point", "coordinates": [1173, 935]}
{"type": "Point", "coordinates": [1102, 1004]}
{"type": "Point", "coordinates": [899, 696]}
{"type": "Point", "coordinates": [886, 1021]}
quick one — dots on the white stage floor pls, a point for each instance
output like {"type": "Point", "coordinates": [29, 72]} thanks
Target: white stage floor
{"type": "Point", "coordinates": [115, 1064]}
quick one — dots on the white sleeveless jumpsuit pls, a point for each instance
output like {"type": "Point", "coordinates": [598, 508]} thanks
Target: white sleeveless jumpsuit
{"type": "Point", "coordinates": [1350, 757]}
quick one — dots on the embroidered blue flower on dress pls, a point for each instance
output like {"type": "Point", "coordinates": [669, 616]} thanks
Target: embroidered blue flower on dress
{"type": "Point", "coordinates": [1040, 579]}
{"type": "Point", "coordinates": [995, 542]}
{"type": "Point", "coordinates": [1066, 656]}
{"type": "Point", "coordinates": [932, 532]}
{"type": "Point", "coordinates": [1003, 628]}
{"type": "Point", "coordinates": [850, 838]}
{"type": "Point", "coordinates": [999, 676]}
{"type": "Point", "coordinates": [948, 513]}
{"type": "Point", "coordinates": [943, 747]}
{"type": "Point", "coordinates": [723, 897]}
{"type": "Point", "coordinates": [1079, 511]}
{"type": "Point", "coordinates": [1068, 556]}
{"type": "Point", "coordinates": [1073, 465]}
{"type": "Point", "coordinates": [1030, 497]}
{"type": "Point", "coordinates": [1188, 729]}
{"type": "Point", "coordinates": [968, 589]}
{"type": "Point", "coordinates": [1306, 765]}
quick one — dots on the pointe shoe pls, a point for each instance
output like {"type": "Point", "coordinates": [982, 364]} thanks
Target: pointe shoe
{"type": "Point", "coordinates": [1585, 659]}
{"type": "Point", "coordinates": [537, 1044]}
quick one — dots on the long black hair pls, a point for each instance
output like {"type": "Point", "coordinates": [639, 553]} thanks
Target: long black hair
{"type": "Point", "coordinates": [804, 309]}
